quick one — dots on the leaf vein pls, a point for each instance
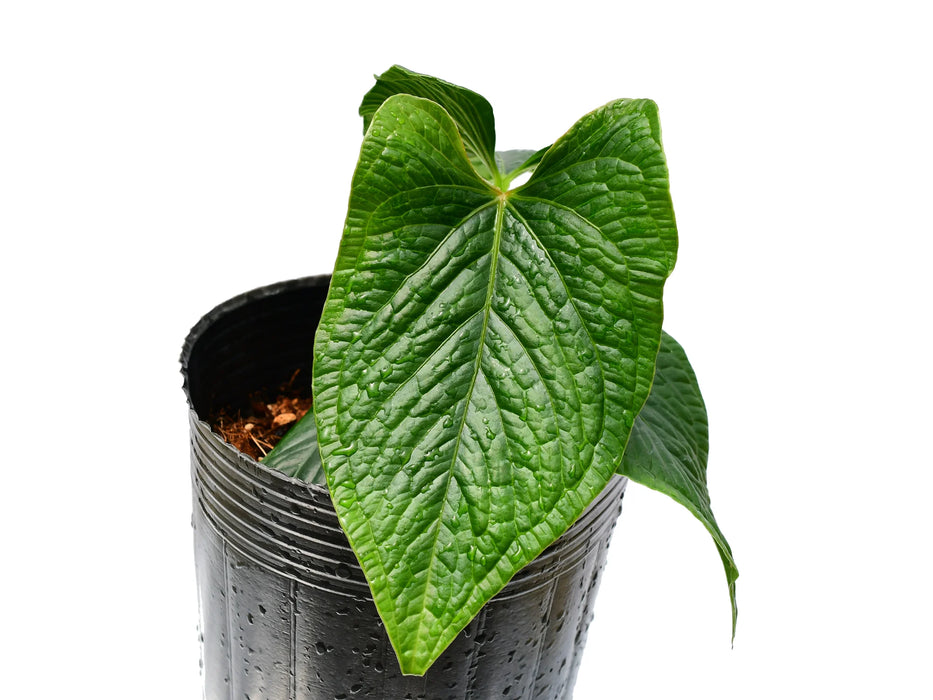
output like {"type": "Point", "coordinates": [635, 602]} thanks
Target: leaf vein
{"type": "Point", "coordinates": [466, 403]}
{"type": "Point", "coordinates": [428, 258]}
{"type": "Point", "coordinates": [434, 353]}
{"type": "Point", "coordinates": [573, 303]}
{"type": "Point", "coordinates": [547, 392]}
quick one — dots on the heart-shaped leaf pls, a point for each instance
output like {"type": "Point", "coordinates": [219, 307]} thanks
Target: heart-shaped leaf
{"type": "Point", "coordinates": [668, 448]}
{"type": "Point", "coordinates": [483, 352]}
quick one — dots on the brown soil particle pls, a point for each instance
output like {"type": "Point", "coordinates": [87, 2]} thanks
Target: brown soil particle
{"type": "Point", "coordinates": [271, 414]}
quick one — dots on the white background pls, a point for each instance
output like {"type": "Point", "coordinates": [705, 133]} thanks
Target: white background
{"type": "Point", "coordinates": [158, 158]}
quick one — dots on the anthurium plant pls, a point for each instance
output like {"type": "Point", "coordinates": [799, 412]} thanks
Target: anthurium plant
{"type": "Point", "coordinates": [490, 355]}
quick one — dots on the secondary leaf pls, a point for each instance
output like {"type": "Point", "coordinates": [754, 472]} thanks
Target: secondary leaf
{"type": "Point", "coordinates": [514, 163]}
{"type": "Point", "coordinates": [297, 453]}
{"type": "Point", "coordinates": [483, 352]}
{"type": "Point", "coordinates": [668, 448]}
{"type": "Point", "coordinates": [471, 112]}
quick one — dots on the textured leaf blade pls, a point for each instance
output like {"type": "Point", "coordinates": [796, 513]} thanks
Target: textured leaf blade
{"type": "Point", "coordinates": [470, 111]}
{"type": "Point", "coordinates": [482, 355]}
{"type": "Point", "coordinates": [613, 175]}
{"type": "Point", "coordinates": [669, 446]}
{"type": "Point", "coordinates": [297, 453]}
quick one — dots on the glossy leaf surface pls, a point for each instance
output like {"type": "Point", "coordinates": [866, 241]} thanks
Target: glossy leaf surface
{"type": "Point", "coordinates": [669, 445]}
{"type": "Point", "coordinates": [297, 453]}
{"type": "Point", "coordinates": [470, 111]}
{"type": "Point", "coordinates": [483, 352]}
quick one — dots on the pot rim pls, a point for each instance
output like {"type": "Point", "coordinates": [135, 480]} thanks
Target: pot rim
{"type": "Point", "coordinates": [200, 328]}
{"type": "Point", "coordinates": [319, 494]}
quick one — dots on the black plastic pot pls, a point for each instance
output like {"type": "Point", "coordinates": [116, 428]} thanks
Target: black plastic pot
{"type": "Point", "coordinates": [285, 610]}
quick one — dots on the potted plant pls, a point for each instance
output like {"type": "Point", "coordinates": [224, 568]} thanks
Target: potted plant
{"type": "Point", "coordinates": [488, 370]}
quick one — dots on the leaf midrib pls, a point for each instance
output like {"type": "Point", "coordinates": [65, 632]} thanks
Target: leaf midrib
{"type": "Point", "coordinates": [494, 261]}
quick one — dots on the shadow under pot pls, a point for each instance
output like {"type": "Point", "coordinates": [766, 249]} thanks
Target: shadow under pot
{"type": "Point", "coordinates": [285, 611]}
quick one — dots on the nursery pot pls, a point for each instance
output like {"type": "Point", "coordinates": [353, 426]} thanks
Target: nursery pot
{"type": "Point", "coordinates": [285, 612]}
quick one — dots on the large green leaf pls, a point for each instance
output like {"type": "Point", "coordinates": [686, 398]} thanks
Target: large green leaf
{"type": "Point", "coordinates": [483, 352]}
{"type": "Point", "coordinates": [668, 448]}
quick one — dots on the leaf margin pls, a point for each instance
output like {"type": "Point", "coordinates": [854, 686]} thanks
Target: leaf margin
{"type": "Point", "coordinates": [658, 409]}
{"type": "Point", "coordinates": [366, 553]}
